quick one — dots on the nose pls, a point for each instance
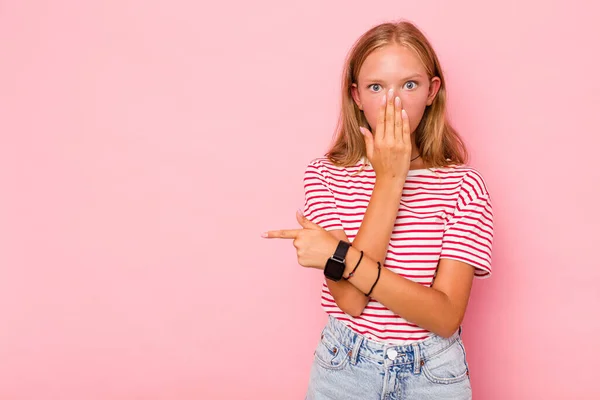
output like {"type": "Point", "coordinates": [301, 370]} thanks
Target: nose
{"type": "Point", "coordinates": [395, 92]}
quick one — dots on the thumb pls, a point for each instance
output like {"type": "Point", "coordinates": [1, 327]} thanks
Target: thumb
{"type": "Point", "coordinates": [304, 222]}
{"type": "Point", "coordinates": [368, 141]}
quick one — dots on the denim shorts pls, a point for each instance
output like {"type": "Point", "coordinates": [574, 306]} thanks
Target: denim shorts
{"type": "Point", "coordinates": [349, 366]}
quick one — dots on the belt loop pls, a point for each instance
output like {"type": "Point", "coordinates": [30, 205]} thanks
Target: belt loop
{"type": "Point", "coordinates": [417, 357]}
{"type": "Point", "coordinates": [356, 349]}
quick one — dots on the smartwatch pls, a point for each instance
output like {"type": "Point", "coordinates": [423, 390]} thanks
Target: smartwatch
{"type": "Point", "coordinates": [334, 269]}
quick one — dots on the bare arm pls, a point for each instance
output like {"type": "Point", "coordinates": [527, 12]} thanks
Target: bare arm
{"type": "Point", "coordinates": [390, 152]}
{"type": "Point", "coordinates": [372, 238]}
{"type": "Point", "coordinates": [439, 309]}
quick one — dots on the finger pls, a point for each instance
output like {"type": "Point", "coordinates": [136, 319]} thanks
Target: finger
{"type": "Point", "coordinates": [305, 222]}
{"type": "Point", "coordinates": [368, 142]}
{"type": "Point", "coordinates": [398, 120]}
{"type": "Point", "coordinates": [282, 234]}
{"type": "Point", "coordinates": [380, 128]}
{"type": "Point", "coordinates": [405, 127]}
{"type": "Point", "coordinates": [389, 115]}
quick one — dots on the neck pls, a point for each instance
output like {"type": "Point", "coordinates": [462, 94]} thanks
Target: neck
{"type": "Point", "coordinates": [415, 150]}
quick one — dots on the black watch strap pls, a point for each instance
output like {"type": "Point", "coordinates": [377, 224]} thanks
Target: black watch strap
{"type": "Point", "coordinates": [341, 251]}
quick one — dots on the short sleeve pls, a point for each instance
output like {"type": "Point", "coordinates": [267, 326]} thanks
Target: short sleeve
{"type": "Point", "coordinates": [469, 233]}
{"type": "Point", "coordinates": [319, 201]}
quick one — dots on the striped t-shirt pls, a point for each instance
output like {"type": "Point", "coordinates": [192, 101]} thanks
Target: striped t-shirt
{"type": "Point", "coordinates": [444, 213]}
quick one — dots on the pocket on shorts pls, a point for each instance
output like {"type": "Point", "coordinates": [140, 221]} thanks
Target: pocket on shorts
{"type": "Point", "coordinates": [450, 366]}
{"type": "Point", "coordinates": [330, 353]}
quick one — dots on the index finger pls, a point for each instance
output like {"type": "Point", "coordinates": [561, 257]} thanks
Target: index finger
{"type": "Point", "coordinates": [282, 234]}
{"type": "Point", "coordinates": [389, 115]}
{"type": "Point", "coordinates": [398, 120]}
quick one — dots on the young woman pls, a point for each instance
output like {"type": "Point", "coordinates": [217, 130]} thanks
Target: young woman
{"type": "Point", "coordinates": [399, 225]}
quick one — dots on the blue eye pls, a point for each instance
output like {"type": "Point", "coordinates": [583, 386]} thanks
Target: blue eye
{"type": "Point", "coordinates": [375, 84]}
{"type": "Point", "coordinates": [410, 85]}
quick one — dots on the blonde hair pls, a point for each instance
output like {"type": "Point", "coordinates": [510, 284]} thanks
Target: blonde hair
{"type": "Point", "coordinates": [438, 143]}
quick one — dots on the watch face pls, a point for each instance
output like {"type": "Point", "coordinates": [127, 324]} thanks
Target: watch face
{"type": "Point", "coordinates": [334, 270]}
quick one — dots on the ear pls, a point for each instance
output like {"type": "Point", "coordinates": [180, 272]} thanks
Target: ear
{"type": "Point", "coordinates": [355, 95]}
{"type": "Point", "coordinates": [434, 87]}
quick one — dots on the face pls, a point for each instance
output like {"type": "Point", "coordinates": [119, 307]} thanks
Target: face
{"type": "Point", "coordinates": [396, 67]}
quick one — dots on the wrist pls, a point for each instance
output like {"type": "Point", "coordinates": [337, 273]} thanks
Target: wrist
{"type": "Point", "coordinates": [336, 265]}
{"type": "Point", "coordinates": [353, 253]}
{"type": "Point", "coordinates": [391, 185]}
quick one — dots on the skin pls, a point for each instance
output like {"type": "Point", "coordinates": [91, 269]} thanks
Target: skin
{"type": "Point", "coordinates": [396, 71]}
{"type": "Point", "coordinates": [439, 308]}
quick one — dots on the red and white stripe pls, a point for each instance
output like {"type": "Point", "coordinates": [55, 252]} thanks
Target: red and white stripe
{"type": "Point", "coordinates": [443, 213]}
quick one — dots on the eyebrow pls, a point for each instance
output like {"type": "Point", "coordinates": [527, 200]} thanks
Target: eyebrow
{"type": "Point", "coordinates": [373, 79]}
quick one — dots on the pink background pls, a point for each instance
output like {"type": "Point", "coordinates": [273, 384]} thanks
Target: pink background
{"type": "Point", "coordinates": [145, 145]}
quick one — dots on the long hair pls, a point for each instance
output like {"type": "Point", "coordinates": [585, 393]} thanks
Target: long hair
{"type": "Point", "coordinates": [437, 141]}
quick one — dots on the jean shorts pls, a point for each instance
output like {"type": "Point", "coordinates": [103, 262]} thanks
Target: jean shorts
{"type": "Point", "coordinates": [349, 366]}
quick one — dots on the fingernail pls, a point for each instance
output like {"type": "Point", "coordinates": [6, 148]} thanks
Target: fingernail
{"type": "Point", "coordinates": [404, 115]}
{"type": "Point", "coordinates": [300, 212]}
{"type": "Point", "coordinates": [264, 234]}
{"type": "Point", "coordinates": [361, 129]}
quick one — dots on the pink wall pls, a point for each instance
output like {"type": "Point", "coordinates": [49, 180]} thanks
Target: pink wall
{"type": "Point", "coordinates": [145, 145]}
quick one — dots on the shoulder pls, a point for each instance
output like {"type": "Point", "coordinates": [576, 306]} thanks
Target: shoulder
{"type": "Point", "coordinates": [472, 180]}
{"type": "Point", "coordinates": [319, 162]}
{"type": "Point", "coordinates": [326, 167]}
{"type": "Point", "coordinates": [315, 167]}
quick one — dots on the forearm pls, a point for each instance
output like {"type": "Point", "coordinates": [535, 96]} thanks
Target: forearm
{"type": "Point", "coordinates": [424, 306]}
{"type": "Point", "coordinates": [375, 231]}
{"type": "Point", "coordinates": [372, 238]}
